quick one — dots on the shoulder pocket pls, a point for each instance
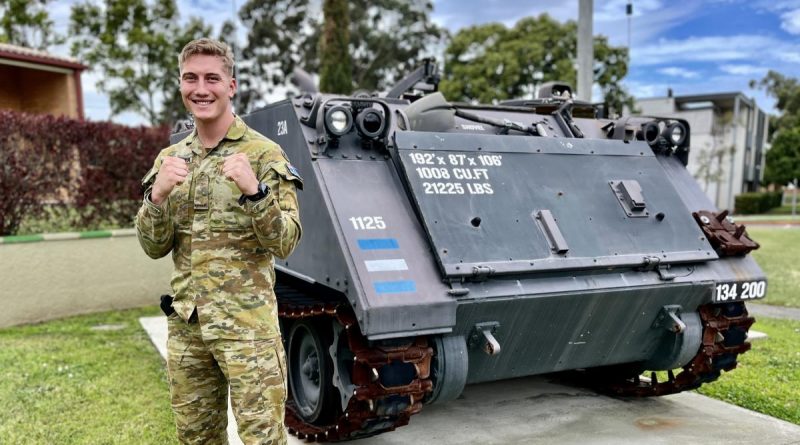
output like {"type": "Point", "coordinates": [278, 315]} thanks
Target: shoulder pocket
{"type": "Point", "coordinates": [289, 173]}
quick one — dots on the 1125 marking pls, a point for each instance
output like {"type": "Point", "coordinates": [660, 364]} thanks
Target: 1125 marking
{"type": "Point", "coordinates": [368, 222]}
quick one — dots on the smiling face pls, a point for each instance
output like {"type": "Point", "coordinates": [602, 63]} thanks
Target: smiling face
{"type": "Point", "coordinates": [207, 88]}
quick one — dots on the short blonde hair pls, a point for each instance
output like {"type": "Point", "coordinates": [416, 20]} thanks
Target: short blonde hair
{"type": "Point", "coordinates": [208, 47]}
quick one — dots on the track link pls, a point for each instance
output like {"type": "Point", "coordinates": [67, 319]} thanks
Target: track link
{"type": "Point", "coordinates": [373, 408]}
{"type": "Point", "coordinates": [724, 338]}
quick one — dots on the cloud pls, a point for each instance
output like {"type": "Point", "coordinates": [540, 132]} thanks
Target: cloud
{"type": "Point", "coordinates": [675, 71]}
{"type": "Point", "coordinates": [791, 57]}
{"type": "Point", "coordinates": [651, 18]}
{"type": "Point", "coordinates": [615, 9]}
{"type": "Point", "coordinates": [790, 21]}
{"type": "Point", "coordinates": [713, 49]}
{"type": "Point", "coordinates": [744, 70]}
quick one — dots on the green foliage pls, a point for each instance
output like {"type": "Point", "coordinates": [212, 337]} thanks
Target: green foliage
{"type": "Point", "coordinates": [753, 203]}
{"type": "Point", "coordinates": [787, 92]}
{"type": "Point", "coordinates": [388, 39]}
{"type": "Point", "coordinates": [135, 46]}
{"type": "Point", "coordinates": [27, 23]}
{"type": "Point", "coordinates": [55, 218]}
{"type": "Point", "coordinates": [84, 380]}
{"type": "Point", "coordinates": [492, 62]}
{"type": "Point", "coordinates": [335, 72]}
{"type": "Point", "coordinates": [767, 379]}
{"type": "Point", "coordinates": [777, 256]}
{"type": "Point", "coordinates": [93, 167]}
{"type": "Point", "coordinates": [784, 209]}
{"type": "Point", "coordinates": [783, 159]}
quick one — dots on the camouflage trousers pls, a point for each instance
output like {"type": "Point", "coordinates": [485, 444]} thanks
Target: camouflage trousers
{"type": "Point", "coordinates": [200, 374]}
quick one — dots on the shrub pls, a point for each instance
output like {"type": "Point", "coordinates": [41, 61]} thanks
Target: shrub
{"type": "Point", "coordinates": [756, 202]}
{"type": "Point", "coordinates": [95, 167]}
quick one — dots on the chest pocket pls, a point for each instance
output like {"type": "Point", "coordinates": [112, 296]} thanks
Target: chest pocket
{"type": "Point", "coordinates": [179, 203]}
{"type": "Point", "coordinates": [226, 215]}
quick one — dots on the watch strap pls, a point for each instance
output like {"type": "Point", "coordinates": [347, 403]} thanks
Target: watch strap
{"type": "Point", "coordinates": [263, 191]}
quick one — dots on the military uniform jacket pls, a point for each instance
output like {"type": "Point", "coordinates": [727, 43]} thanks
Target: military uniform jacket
{"type": "Point", "coordinates": [222, 251]}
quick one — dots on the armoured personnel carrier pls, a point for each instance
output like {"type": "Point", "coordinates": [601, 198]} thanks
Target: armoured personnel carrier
{"type": "Point", "coordinates": [448, 244]}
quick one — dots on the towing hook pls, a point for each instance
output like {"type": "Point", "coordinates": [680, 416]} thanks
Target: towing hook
{"type": "Point", "coordinates": [483, 336]}
{"type": "Point", "coordinates": [668, 319]}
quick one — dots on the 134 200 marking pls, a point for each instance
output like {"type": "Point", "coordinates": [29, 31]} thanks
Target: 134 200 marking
{"type": "Point", "coordinates": [738, 291]}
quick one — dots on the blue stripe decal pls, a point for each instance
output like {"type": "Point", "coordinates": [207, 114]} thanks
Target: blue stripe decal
{"type": "Point", "coordinates": [378, 244]}
{"type": "Point", "coordinates": [394, 287]}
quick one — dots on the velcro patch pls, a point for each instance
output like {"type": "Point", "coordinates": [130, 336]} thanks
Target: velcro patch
{"type": "Point", "coordinates": [293, 171]}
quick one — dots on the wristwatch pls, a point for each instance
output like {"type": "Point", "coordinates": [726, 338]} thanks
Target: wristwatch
{"type": "Point", "coordinates": [263, 191]}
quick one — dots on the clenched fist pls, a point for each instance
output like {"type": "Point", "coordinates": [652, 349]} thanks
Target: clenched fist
{"type": "Point", "coordinates": [237, 168]}
{"type": "Point", "coordinates": [173, 171]}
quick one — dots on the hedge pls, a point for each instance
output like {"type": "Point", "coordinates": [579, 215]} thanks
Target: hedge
{"type": "Point", "coordinates": [92, 167]}
{"type": "Point", "coordinates": [756, 202]}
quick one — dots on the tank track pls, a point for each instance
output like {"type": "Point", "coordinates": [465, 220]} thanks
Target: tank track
{"type": "Point", "coordinates": [374, 408]}
{"type": "Point", "coordinates": [724, 338]}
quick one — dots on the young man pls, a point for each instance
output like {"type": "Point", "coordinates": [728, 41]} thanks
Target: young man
{"type": "Point", "coordinates": [223, 201]}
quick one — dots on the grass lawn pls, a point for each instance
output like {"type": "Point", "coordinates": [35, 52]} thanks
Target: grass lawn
{"type": "Point", "coordinates": [767, 379]}
{"type": "Point", "coordinates": [72, 382]}
{"type": "Point", "coordinates": [780, 249]}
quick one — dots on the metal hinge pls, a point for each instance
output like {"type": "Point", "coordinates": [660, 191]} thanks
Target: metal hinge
{"type": "Point", "coordinates": [481, 273]}
{"type": "Point", "coordinates": [653, 263]}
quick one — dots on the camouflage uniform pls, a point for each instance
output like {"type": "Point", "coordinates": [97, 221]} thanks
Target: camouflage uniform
{"type": "Point", "coordinates": [224, 270]}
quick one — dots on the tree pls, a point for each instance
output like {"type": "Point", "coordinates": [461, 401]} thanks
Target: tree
{"type": "Point", "coordinates": [492, 62]}
{"type": "Point", "coordinates": [786, 90]}
{"type": "Point", "coordinates": [388, 39]}
{"type": "Point", "coordinates": [335, 72]}
{"type": "Point", "coordinates": [783, 159]}
{"type": "Point", "coordinates": [134, 44]}
{"type": "Point", "coordinates": [27, 23]}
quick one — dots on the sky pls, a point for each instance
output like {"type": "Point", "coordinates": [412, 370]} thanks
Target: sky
{"type": "Point", "coordinates": [692, 47]}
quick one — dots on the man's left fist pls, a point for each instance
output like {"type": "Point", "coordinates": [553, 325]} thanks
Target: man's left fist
{"type": "Point", "coordinates": [237, 168]}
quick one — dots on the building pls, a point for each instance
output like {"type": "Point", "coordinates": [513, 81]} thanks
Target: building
{"type": "Point", "coordinates": [728, 140]}
{"type": "Point", "coordinates": [37, 82]}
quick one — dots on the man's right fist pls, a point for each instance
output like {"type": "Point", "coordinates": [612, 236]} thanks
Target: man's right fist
{"type": "Point", "coordinates": [173, 171]}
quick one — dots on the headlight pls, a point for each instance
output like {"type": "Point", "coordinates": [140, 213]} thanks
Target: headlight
{"type": "Point", "coordinates": [338, 120]}
{"type": "Point", "coordinates": [650, 133]}
{"type": "Point", "coordinates": [675, 133]}
{"type": "Point", "coordinates": [370, 123]}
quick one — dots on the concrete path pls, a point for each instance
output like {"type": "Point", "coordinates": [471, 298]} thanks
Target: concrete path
{"type": "Point", "coordinates": [765, 310]}
{"type": "Point", "coordinates": [535, 410]}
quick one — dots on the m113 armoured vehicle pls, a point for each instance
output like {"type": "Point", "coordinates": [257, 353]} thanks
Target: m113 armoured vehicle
{"type": "Point", "coordinates": [447, 244]}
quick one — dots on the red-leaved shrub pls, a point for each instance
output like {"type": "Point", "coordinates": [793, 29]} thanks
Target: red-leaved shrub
{"type": "Point", "coordinates": [95, 167]}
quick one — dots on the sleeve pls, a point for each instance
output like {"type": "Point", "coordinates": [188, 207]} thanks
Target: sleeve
{"type": "Point", "coordinates": [153, 222]}
{"type": "Point", "coordinates": [276, 218]}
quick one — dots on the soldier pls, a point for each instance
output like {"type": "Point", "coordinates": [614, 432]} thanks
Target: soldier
{"type": "Point", "coordinates": [223, 201]}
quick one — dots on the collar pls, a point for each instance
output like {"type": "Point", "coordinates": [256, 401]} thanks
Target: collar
{"type": "Point", "coordinates": [235, 132]}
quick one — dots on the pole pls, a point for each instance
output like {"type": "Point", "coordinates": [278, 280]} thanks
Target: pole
{"type": "Point", "coordinates": [585, 50]}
